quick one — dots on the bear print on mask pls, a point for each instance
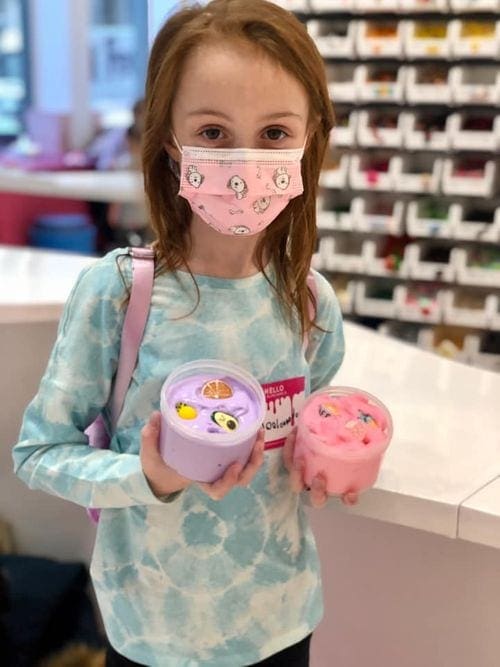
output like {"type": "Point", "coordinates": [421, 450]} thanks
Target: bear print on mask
{"type": "Point", "coordinates": [281, 178]}
{"type": "Point", "coordinates": [239, 230]}
{"type": "Point", "coordinates": [194, 177]}
{"type": "Point", "coordinates": [261, 205]}
{"type": "Point", "coordinates": [238, 185]}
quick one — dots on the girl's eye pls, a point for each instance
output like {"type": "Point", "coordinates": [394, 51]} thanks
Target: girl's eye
{"type": "Point", "coordinates": [211, 133]}
{"type": "Point", "coordinates": [275, 134]}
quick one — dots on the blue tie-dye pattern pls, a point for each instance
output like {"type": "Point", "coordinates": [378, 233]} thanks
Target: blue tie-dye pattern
{"type": "Point", "coordinates": [192, 582]}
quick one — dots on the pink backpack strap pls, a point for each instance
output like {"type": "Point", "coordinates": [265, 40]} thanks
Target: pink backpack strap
{"type": "Point", "coordinates": [134, 324]}
{"type": "Point", "coordinates": [311, 283]}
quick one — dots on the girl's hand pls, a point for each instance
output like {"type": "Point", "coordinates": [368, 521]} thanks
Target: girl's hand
{"type": "Point", "coordinates": [236, 474]}
{"type": "Point", "coordinates": [164, 480]}
{"type": "Point", "coordinates": [295, 467]}
{"type": "Point", "coordinates": [161, 478]}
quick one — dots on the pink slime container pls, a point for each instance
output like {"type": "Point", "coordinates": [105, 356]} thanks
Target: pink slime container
{"type": "Point", "coordinates": [343, 432]}
{"type": "Point", "coordinates": [191, 441]}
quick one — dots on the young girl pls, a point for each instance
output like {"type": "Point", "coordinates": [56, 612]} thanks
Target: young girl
{"type": "Point", "coordinates": [190, 574]}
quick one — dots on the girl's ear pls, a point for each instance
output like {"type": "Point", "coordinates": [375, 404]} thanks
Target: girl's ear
{"type": "Point", "coordinates": [172, 150]}
{"type": "Point", "coordinates": [172, 147]}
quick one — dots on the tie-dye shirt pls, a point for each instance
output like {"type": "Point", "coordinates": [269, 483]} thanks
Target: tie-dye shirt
{"type": "Point", "coordinates": [193, 581]}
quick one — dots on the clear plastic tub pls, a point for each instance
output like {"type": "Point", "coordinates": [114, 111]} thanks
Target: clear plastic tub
{"type": "Point", "coordinates": [224, 396]}
{"type": "Point", "coordinates": [347, 451]}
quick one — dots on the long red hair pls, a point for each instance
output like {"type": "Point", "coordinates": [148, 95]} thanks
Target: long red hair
{"type": "Point", "coordinates": [291, 239]}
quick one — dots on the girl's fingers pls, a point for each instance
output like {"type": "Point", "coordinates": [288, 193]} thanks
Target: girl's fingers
{"type": "Point", "coordinates": [350, 498]}
{"type": "Point", "coordinates": [218, 489]}
{"type": "Point", "coordinates": [150, 434]}
{"type": "Point", "coordinates": [288, 449]}
{"type": "Point", "coordinates": [318, 492]}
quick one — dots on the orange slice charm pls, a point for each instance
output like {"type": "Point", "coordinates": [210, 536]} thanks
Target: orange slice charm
{"type": "Point", "coordinates": [216, 389]}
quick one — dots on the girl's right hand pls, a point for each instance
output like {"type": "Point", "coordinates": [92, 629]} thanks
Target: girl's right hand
{"type": "Point", "coordinates": [161, 478]}
{"type": "Point", "coordinates": [164, 480]}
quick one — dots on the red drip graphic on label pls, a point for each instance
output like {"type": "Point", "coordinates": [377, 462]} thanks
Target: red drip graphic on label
{"type": "Point", "coordinates": [284, 399]}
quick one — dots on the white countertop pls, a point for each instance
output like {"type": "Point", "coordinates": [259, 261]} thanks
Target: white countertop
{"type": "Point", "coordinates": [479, 518]}
{"type": "Point", "coordinates": [440, 473]}
{"type": "Point", "coordinates": [34, 284]}
{"type": "Point", "coordinates": [111, 186]}
{"type": "Point", "coordinates": [441, 409]}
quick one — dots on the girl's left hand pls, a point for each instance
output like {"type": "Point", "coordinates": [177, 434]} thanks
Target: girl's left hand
{"type": "Point", "coordinates": [317, 491]}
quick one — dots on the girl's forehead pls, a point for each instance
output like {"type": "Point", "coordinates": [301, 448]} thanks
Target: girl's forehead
{"type": "Point", "coordinates": [236, 72]}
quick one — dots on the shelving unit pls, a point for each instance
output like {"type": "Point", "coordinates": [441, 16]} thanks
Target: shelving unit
{"type": "Point", "coordinates": [409, 208]}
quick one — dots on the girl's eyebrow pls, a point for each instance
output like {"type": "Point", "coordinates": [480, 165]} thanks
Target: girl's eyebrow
{"type": "Point", "coordinates": [282, 114]}
{"type": "Point", "coordinates": [208, 112]}
{"type": "Point", "coordinates": [272, 116]}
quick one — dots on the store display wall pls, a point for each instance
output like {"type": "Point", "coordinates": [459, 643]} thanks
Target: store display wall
{"type": "Point", "coordinates": [409, 210]}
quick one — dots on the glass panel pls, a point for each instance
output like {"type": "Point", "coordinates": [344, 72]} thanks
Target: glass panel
{"type": "Point", "coordinates": [13, 60]}
{"type": "Point", "coordinates": [118, 56]}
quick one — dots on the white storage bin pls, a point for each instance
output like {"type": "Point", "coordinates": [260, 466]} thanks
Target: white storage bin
{"type": "Point", "coordinates": [344, 290]}
{"type": "Point", "coordinates": [426, 261]}
{"type": "Point", "coordinates": [380, 128]}
{"type": "Point", "coordinates": [342, 253]}
{"type": "Point", "coordinates": [474, 131]}
{"type": "Point", "coordinates": [380, 259]}
{"type": "Point", "coordinates": [377, 215]}
{"type": "Point", "coordinates": [342, 82]}
{"type": "Point", "coordinates": [426, 129]}
{"type": "Point", "coordinates": [445, 340]}
{"type": "Point", "coordinates": [333, 38]}
{"type": "Point", "coordinates": [404, 331]}
{"type": "Point", "coordinates": [417, 173]}
{"type": "Point", "coordinates": [476, 222]}
{"type": "Point", "coordinates": [423, 5]}
{"type": "Point", "coordinates": [331, 6]}
{"type": "Point", "coordinates": [375, 299]}
{"type": "Point", "coordinates": [379, 39]}
{"type": "Point", "coordinates": [475, 84]}
{"type": "Point", "coordinates": [344, 132]}
{"type": "Point", "coordinates": [419, 302]}
{"type": "Point", "coordinates": [334, 211]}
{"type": "Point", "coordinates": [376, 5]}
{"type": "Point", "coordinates": [335, 170]}
{"type": "Point", "coordinates": [371, 172]}
{"type": "Point", "coordinates": [293, 5]}
{"type": "Point", "coordinates": [495, 318]}
{"type": "Point", "coordinates": [468, 176]}
{"type": "Point", "coordinates": [470, 38]}
{"type": "Point", "coordinates": [468, 308]}
{"type": "Point", "coordinates": [484, 351]}
{"type": "Point", "coordinates": [376, 83]}
{"type": "Point", "coordinates": [479, 266]}
{"type": "Point", "coordinates": [474, 5]}
{"type": "Point", "coordinates": [424, 39]}
{"type": "Point", "coordinates": [430, 218]}
{"type": "Point", "coordinates": [428, 84]}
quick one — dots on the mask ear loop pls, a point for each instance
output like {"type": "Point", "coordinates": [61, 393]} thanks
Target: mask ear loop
{"type": "Point", "coordinates": [173, 165]}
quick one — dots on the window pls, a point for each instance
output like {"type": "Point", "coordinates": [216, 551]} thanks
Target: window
{"type": "Point", "coordinates": [118, 57]}
{"type": "Point", "coordinates": [13, 66]}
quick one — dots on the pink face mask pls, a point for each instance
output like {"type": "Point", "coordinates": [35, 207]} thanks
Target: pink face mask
{"type": "Point", "coordinates": [239, 190]}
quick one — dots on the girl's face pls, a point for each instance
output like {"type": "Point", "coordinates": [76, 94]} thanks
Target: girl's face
{"type": "Point", "coordinates": [234, 96]}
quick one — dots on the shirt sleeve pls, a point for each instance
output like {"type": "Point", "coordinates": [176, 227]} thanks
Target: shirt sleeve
{"type": "Point", "coordinates": [53, 454]}
{"type": "Point", "coordinates": [326, 347]}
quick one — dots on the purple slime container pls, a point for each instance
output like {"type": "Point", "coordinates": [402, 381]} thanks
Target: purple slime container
{"type": "Point", "coordinates": [203, 429]}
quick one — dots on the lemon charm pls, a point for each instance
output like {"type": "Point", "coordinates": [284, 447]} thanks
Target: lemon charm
{"type": "Point", "coordinates": [186, 411]}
